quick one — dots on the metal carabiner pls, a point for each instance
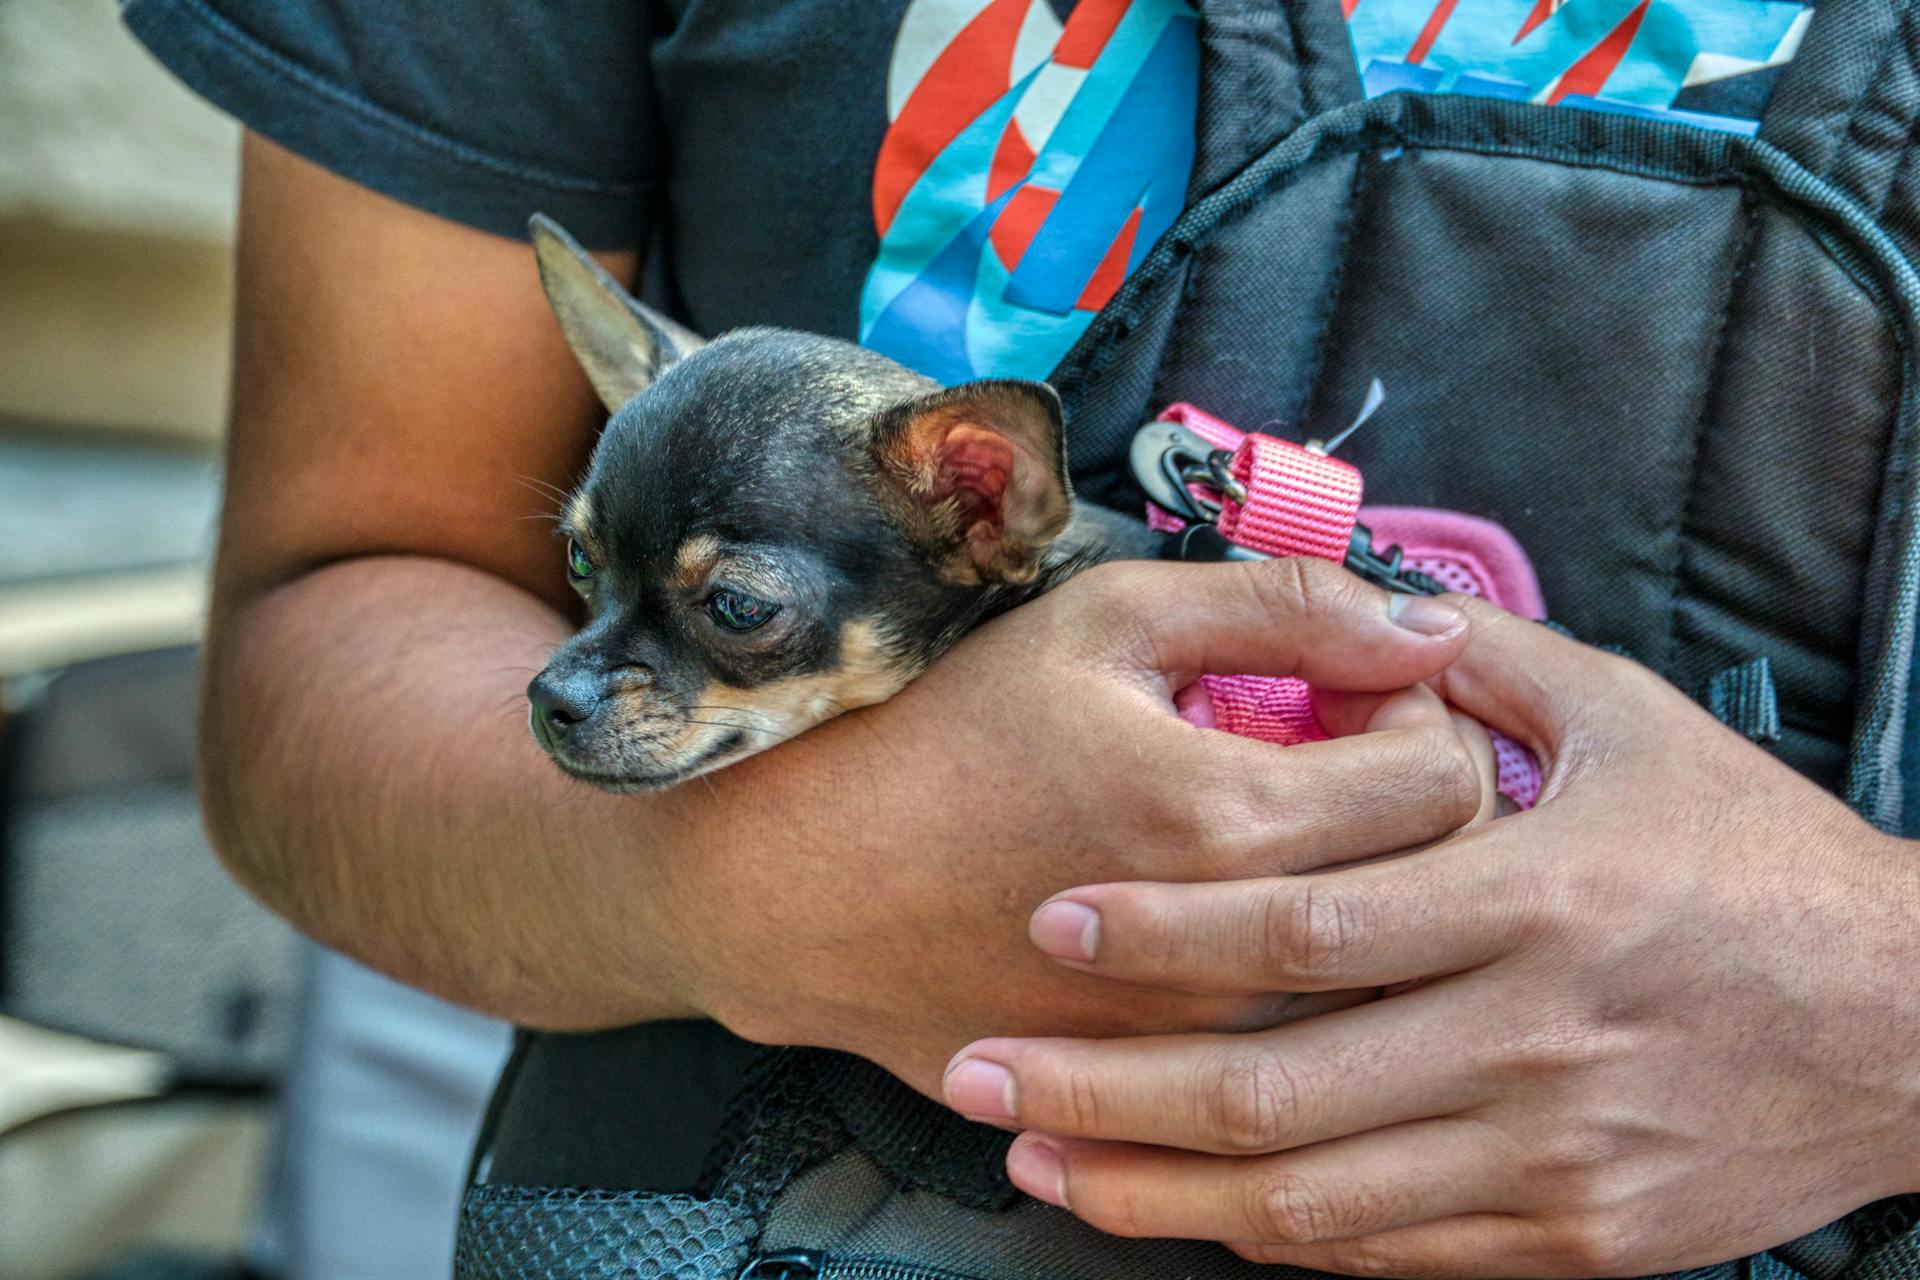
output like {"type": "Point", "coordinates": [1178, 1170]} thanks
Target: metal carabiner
{"type": "Point", "coordinates": [1166, 457]}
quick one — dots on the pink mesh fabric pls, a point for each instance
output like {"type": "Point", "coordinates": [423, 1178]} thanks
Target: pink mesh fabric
{"type": "Point", "coordinates": [1300, 503]}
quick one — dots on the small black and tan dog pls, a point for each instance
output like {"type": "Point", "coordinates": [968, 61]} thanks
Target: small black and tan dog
{"type": "Point", "coordinates": [778, 527]}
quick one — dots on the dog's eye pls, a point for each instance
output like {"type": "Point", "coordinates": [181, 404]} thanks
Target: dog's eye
{"type": "Point", "coordinates": [579, 567]}
{"type": "Point", "coordinates": [738, 611]}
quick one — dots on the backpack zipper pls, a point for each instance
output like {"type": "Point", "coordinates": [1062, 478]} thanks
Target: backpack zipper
{"type": "Point", "coordinates": [814, 1264]}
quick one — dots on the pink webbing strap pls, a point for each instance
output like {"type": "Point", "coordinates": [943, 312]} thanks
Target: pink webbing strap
{"type": "Point", "coordinates": [1298, 503]}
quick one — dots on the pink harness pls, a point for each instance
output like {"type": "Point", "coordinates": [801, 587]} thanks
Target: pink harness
{"type": "Point", "coordinates": [1303, 503]}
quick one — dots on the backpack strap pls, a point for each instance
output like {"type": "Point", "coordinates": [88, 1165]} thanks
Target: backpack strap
{"type": "Point", "coordinates": [1847, 105]}
{"type": "Point", "coordinates": [1264, 69]}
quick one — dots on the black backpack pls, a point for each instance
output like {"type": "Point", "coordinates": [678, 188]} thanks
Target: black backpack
{"type": "Point", "coordinates": [1677, 363]}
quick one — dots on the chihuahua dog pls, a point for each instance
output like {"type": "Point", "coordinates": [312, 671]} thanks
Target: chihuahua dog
{"type": "Point", "coordinates": [779, 527]}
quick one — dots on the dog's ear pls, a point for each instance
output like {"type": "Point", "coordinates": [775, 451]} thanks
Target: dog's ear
{"type": "Point", "coordinates": [976, 476]}
{"type": "Point", "coordinates": [622, 343]}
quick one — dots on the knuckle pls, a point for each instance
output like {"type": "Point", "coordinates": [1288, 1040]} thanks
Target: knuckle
{"type": "Point", "coordinates": [1570, 1045]}
{"type": "Point", "coordinates": [1144, 934]}
{"type": "Point", "coordinates": [1312, 933]}
{"type": "Point", "coordinates": [1116, 1208]}
{"type": "Point", "coordinates": [1364, 1257]}
{"type": "Point", "coordinates": [1254, 1103]}
{"type": "Point", "coordinates": [1446, 779]}
{"type": "Point", "coordinates": [1261, 1253]}
{"type": "Point", "coordinates": [1227, 838]}
{"type": "Point", "coordinates": [1279, 590]}
{"type": "Point", "coordinates": [1283, 1209]}
{"type": "Point", "coordinates": [1596, 1245]}
{"type": "Point", "coordinates": [1577, 1159]}
{"type": "Point", "coordinates": [1294, 587]}
{"type": "Point", "coordinates": [1080, 1103]}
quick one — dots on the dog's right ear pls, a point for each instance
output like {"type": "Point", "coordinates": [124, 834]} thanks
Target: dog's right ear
{"type": "Point", "coordinates": [977, 476]}
{"type": "Point", "coordinates": [622, 343]}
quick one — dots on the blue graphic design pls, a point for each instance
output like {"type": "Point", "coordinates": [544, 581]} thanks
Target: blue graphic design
{"type": "Point", "coordinates": [1005, 245]}
{"type": "Point", "coordinates": [1435, 46]}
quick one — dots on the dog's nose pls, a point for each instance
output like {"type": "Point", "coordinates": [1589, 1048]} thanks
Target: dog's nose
{"type": "Point", "coordinates": [561, 702]}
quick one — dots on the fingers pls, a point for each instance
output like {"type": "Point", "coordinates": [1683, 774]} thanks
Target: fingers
{"type": "Point", "coordinates": [1417, 707]}
{"type": "Point", "coordinates": [1359, 1186]}
{"type": "Point", "coordinates": [1388, 1062]}
{"type": "Point", "coordinates": [1481, 1246]}
{"type": "Point", "coordinates": [1368, 926]}
{"type": "Point", "coordinates": [1534, 684]}
{"type": "Point", "coordinates": [1486, 764]}
{"type": "Point", "coordinates": [1296, 617]}
{"type": "Point", "coordinates": [1265, 808]}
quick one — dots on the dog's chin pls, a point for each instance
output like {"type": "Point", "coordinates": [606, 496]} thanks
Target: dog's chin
{"type": "Point", "coordinates": [629, 782]}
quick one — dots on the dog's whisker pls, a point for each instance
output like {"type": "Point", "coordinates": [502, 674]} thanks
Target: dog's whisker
{"type": "Point", "coordinates": [544, 488]}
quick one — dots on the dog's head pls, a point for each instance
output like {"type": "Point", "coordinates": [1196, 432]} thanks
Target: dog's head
{"type": "Point", "coordinates": [776, 527]}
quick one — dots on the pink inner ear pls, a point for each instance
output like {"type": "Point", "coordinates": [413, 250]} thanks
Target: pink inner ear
{"type": "Point", "coordinates": [977, 466]}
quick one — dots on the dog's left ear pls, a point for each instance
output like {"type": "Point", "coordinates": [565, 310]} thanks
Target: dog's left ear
{"type": "Point", "coordinates": [622, 343]}
{"type": "Point", "coordinates": [977, 476]}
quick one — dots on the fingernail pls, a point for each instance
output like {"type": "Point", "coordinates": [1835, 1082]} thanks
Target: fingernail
{"type": "Point", "coordinates": [980, 1089]}
{"type": "Point", "coordinates": [1036, 1168]}
{"type": "Point", "coordinates": [1425, 614]}
{"type": "Point", "coordinates": [1065, 930]}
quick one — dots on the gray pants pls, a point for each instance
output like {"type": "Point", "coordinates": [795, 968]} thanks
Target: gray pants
{"type": "Point", "coordinates": [383, 1097]}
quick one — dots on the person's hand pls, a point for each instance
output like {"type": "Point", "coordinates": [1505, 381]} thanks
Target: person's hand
{"type": "Point", "coordinates": [1664, 1019]}
{"type": "Point", "coordinates": [866, 886]}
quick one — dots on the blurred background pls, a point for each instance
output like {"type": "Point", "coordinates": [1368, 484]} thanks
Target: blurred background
{"type": "Point", "coordinates": [186, 1089]}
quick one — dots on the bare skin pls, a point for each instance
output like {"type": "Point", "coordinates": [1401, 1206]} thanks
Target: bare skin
{"type": "Point", "coordinates": [1662, 1020]}
{"type": "Point", "coordinates": [386, 586]}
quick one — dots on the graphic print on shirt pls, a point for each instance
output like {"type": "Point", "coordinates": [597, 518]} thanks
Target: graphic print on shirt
{"type": "Point", "coordinates": [1028, 167]}
{"type": "Point", "coordinates": [1709, 63]}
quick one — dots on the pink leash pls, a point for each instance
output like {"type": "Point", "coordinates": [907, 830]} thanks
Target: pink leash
{"type": "Point", "coordinates": [1292, 501]}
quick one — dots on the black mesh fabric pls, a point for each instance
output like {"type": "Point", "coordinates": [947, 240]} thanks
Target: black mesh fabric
{"type": "Point", "coordinates": [521, 1233]}
{"type": "Point", "coordinates": [116, 919]}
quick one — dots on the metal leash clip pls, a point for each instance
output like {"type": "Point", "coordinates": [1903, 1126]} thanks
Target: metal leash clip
{"type": "Point", "coordinates": [1169, 462]}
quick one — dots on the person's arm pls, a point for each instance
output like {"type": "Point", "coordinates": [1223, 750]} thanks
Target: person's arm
{"type": "Point", "coordinates": [385, 589]}
{"type": "Point", "coordinates": [387, 586]}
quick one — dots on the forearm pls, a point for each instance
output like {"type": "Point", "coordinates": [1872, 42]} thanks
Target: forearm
{"type": "Point", "coordinates": [367, 772]}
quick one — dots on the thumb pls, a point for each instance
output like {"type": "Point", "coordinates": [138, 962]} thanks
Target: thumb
{"type": "Point", "coordinates": [1531, 682]}
{"type": "Point", "coordinates": [1293, 617]}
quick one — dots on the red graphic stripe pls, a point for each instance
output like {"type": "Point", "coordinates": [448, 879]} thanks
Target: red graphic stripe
{"type": "Point", "coordinates": [1088, 28]}
{"type": "Point", "coordinates": [1542, 10]}
{"type": "Point", "coordinates": [1012, 161]}
{"type": "Point", "coordinates": [1587, 77]}
{"type": "Point", "coordinates": [952, 94]}
{"type": "Point", "coordinates": [1431, 32]}
{"type": "Point", "coordinates": [1019, 222]}
{"type": "Point", "coordinates": [1112, 270]}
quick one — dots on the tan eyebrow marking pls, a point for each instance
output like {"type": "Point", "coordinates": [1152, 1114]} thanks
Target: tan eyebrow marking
{"type": "Point", "coordinates": [577, 523]}
{"type": "Point", "coordinates": [578, 514]}
{"type": "Point", "coordinates": [694, 559]}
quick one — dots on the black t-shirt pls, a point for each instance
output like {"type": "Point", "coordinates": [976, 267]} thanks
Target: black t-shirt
{"type": "Point", "coordinates": [958, 183]}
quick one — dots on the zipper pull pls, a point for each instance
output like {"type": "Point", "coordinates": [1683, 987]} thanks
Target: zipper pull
{"type": "Point", "coordinates": [788, 1264]}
